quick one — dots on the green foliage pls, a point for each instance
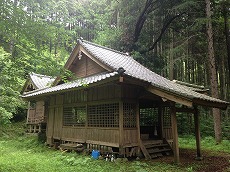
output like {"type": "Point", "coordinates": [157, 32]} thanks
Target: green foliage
{"type": "Point", "coordinates": [38, 36]}
{"type": "Point", "coordinates": [9, 97]}
{"type": "Point", "coordinates": [5, 116]}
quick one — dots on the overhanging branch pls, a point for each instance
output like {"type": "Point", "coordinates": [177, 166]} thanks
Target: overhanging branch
{"type": "Point", "coordinates": [164, 28]}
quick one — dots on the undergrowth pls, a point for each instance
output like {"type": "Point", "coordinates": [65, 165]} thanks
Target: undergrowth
{"type": "Point", "coordinates": [207, 143]}
{"type": "Point", "coordinates": [21, 152]}
{"type": "Point", "coordinates": [25, 153]}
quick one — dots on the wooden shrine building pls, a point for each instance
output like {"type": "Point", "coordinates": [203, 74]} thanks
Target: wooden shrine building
{"type": "Point", "coordinates": [115, 104]}
{"type": "Point", "coordinates": [36, 115]}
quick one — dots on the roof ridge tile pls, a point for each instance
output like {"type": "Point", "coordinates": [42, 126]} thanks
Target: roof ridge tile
{"type": "Point", "coordinates": [100, 46]}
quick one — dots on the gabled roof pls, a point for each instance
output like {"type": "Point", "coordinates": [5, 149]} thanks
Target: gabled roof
{"type": "Point", "coordinates": [38, 81]}
{"type": "Point", "coordinates": [41, 81]}
{"type": "Point", "coordinates": [70, 85]}
{"type": "Point", "coordinates": [112, 60]}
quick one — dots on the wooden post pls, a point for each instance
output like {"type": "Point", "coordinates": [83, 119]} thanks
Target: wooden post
{"type": "Point", "coordinates": [121, 129]}
{"type": "Point", "coordinates": [175, 134]}
{"type": "Point", "coordinates": [160, 121]}
{"type": "Point", "coordinates": [138, 126]}
{"type": "Point", "coordinates": [28, 112]}
{"type": "Point", "coordinates": [197, 133]}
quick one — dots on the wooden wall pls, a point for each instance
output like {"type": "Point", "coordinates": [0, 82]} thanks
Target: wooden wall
{"type": "Point", "coordinates": [130, 137]}
{"type": "Point", "coordinates": [56, 130]}
{"type": "Point", "coordinates": [90, 96]}
{"type": "Point", "coordinates": [36, 114]}
{"type": "Point", "coordinates": [112, 93]}
{"type": "Point", "coordinates": [40, 110]}
{"type": "Point", "coordinates": [85, 67]}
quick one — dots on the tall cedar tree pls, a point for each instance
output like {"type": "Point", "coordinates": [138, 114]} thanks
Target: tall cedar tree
{"type": "Point", "coordinates": [213, 73]}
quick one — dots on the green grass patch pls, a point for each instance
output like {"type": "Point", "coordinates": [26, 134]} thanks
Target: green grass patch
{"type": "Point", "coordinates": [25, 153]}
{"type": "Point", "coordinates": [207, 143]}
{"type": "Point", "coordinates": [20, 152]}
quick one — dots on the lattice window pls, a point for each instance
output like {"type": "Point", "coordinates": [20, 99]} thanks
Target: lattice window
{"type": "Point", "coordinates": [148, 116]}
{"type": "Point", "coordinates": [103, 115]}
{"type": "Point", "coordinates": [166, 117]}
{"type": "Point", "coordinates": [74, 116]}
{"type": "Point", "coordinates": [129, 115]}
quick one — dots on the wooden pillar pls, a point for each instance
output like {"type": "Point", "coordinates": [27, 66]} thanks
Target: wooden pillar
{"type": "Point", "coordinates": [160, 121]}
{"type": "Point", "coordinates": [197, 133]}
{"type": "Point", "coordinates": [121, 128]}
{"type": "Point", "coordinates": [28, 112]}
{"type": "Point", "coordinates": [175, 134]}
{"type": "Point", "coordinates": [138, 126]}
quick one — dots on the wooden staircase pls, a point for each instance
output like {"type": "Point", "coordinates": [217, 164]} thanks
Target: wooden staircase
{"type": "Point", "coordinates": [155, 148]}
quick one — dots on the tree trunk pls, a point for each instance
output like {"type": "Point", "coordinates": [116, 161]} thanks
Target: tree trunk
{"type": "Point", "coordinates": [227, 33]}
{"type": "Point", "coordinates": [213, 74]}
{"type": "Point", "coordinates": [171, 61]}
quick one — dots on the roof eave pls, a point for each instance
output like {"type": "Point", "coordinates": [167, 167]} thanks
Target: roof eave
{"type": "Point", "coordinates": [213, 104]}
{"type": "Point", "coordinates": [171, 96]}
{"type": "Point", "coordinates": [112, 78]}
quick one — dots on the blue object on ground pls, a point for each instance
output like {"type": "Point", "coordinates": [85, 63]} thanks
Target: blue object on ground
{"type": "Point", "coordinates": [95, 154]}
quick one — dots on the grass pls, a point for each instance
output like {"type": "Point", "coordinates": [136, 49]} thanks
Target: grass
{"type": "Point", "coordinates": [26, 154]}
{"type": "Point", "coordinates": [207, 143]}
{"type": "Point", "coordinates": [20, 152]}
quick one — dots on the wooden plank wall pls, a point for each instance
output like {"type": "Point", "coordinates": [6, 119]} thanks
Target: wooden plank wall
{"type": "Point", "coordinates": [130, 136]}
{"type": "Point", "coordinates": [103, 94]}
{"type": "Point", "coordinates": [40, 111]}
{"type": "Point", "coordinates": [57, 132]}
{"type": "Point", "coordinates": [103, 135]}
{"type": "Point", "coordinates": [49, 126]}
{"type": "Point", "coordinates": [85, 67]}
{"type": "Point", "coordinates": [73, 134]}
{"type": "Point", "coordinates": [58, 116]}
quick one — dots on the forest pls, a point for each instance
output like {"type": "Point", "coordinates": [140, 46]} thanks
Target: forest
{"type": "Point", "coordinates": [184, 40]}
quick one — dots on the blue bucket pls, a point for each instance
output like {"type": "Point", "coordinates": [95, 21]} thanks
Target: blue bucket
{"type": "Point", "coordinates": [95, 154]}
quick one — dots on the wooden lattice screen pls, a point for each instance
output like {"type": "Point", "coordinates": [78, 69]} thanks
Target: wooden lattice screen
{"type": "Point", "coordinates": [167, 126]}
{"type": "Point", "coordinates": [166, 117]}
{"type": "Point", "coordinates": [103, 115]}
{"type": "Point", "coordinates": [74, 116]}
{"type": "Point", "coordinates": [129, 115]}
{"type": "Point", "coordinates": [148, 116]}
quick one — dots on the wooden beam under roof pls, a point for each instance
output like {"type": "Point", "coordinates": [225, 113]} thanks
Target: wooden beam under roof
{"type": "Point", "coordinates": [172, 97]}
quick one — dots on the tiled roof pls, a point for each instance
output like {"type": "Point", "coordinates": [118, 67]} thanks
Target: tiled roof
{"type": "Point", "coordinates": [193, 87]}
{"type": "Point", "coordinates": [74, 84]}
{"type": "Point", "coordinates": [114, 60]}
{"type": "Point", "coordinates": [41, 81]}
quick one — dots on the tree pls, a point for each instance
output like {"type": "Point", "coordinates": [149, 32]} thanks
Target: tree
{"type": "Point", "coordinates": [213, 74]}
{"type": "Point", "coordinates": [9, 97]}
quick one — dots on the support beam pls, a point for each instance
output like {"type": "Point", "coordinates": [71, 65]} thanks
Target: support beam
{"type": "Point", "coordinates": [197, 133]}
{"type": "Point", "coordinates": [28, 112]}
{"type": "Point", "coordinates": [160, 121]}
{"type": "Point", "coordinates": [138, 122]}
{"type": "Point", "coordinates": [121, 129]}
{"type": "Point", "coordinates": [175, 134]}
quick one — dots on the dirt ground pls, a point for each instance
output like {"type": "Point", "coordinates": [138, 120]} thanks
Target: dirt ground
{"type": "Point", "coordinates": [211, 162]}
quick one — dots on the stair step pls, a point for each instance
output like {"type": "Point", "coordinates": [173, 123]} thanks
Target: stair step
{"type": "Point", "coordinates": [155, 146]}
{"type": "Point", "coordinates": [152, 151]}
{"type": "Point", "coordinates": [156, 155]}
{"type": "Point", "coordinates": [152, 142]}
